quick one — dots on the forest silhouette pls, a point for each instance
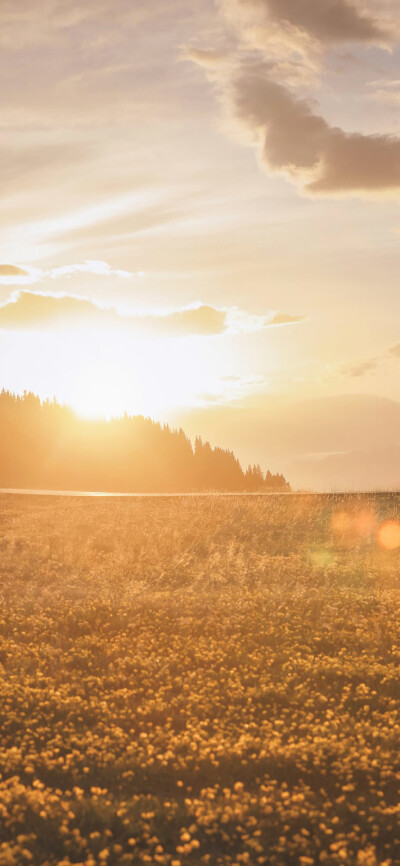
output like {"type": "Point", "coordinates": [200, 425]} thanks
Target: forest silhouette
{"type": "Point", "coordinates": [47, 446]}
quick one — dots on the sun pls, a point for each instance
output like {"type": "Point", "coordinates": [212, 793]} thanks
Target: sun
{"type": "Point", "coordinates": [147, 378]}
{"type": "Point", "coordinates": [99, 394]}
{"type": "Point", "coordinates": [109, 373]}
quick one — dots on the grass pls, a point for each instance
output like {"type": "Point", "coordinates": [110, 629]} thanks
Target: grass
{"type": "Point", "coordinates": [199, 680]}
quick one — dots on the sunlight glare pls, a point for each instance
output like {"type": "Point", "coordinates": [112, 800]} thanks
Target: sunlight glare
{"type": "Point", "coordinates": [388, 536]}
{"type": "Point", "coordinates": [145, 377]}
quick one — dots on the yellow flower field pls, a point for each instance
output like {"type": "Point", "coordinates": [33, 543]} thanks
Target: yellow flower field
{"type": "Point", "coordinates": [200, 680]}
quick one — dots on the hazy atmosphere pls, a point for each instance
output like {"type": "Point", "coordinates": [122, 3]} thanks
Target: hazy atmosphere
{"type": "Point", "coordinates": [200, 223]}
{"type": "Point", "coordinates": [200, 433]}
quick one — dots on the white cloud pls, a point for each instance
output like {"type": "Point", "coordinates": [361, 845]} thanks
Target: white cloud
{"type": "Point", "coordinates": [99, 268]}
{"type": "Point", "coordinates": [238, 321]}
{"type": "Point", "coordinates": [11, 275]}
{"type": "Point", "coordinates": [26, 310]}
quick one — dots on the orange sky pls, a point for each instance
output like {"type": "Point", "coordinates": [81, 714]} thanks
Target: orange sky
{"type": "Point", "coordinates": [200, 222]}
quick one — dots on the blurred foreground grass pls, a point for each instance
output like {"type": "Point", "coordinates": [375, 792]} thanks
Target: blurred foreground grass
{"type": "Point", "coordinates": [199, 680]}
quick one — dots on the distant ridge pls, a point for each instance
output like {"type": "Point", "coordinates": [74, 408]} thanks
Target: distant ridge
{"type": "Point", "coordinates": [45, 445]}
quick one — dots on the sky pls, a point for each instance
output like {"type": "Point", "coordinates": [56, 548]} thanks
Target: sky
{"type": "Point", "coordinates": [200, 222]}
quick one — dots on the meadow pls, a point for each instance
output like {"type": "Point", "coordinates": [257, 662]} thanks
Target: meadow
{"type": "Point", "coordinates": [200, 680]}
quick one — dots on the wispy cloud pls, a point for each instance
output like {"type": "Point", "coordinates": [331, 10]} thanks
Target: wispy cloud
{"type": "Point", "coordinates": [208, 58]}
{"type": "Point", "coordinates": [369, 365]}
{"type": "Point", "coordinates": [360, 368]}
{"type": "Point", "coordinates": [26, 310]}
{"type": "Point", "coordinates": [11, 275]}
{"type": "Point", "coordinates": [386, 91]}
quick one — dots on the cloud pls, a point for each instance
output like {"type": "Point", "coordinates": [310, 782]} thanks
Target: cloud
{"type": "Point", "coordinates": [11, 271]}
{"type": "Point", "coordinates": [257, 89]}
{"type": "Point", "coordinates": [33, 311]}
{"type": "Point", "coordinates": [295, 141]}
{"type": "Point", "coordinates": [286, 319]}
{"type": "Point", "coordinates": [61, 18]}
{"type": "Point", "coordinates": [282, 65]}
{"type": "Point", "coordinates": [25, 276]}
{"type": "Point", "coordinates": [369, 365]}
{"type": "Point", "coordinates": [239, 321]}
{"type": "Point", "coordinates": [385, 91]}
{"type": "Point", "coordinates": [305, 30]}
{"type": "Point", "coordinates": [202, 320]}
{"type": "Point", "coordinates": [328, 21]}
{"type": "Point", "coordinates": [232, 389]}
{"type": "Point", "coordinates": [99, 268]}
{"type": "Point", "coordinates": [11, 275]}
{"type": "Point", "coordinates": [362, 368]}
{"type": "Point", "coordinates": [205, 57]}
{"type": "Point", "coordinates": [26, 310]}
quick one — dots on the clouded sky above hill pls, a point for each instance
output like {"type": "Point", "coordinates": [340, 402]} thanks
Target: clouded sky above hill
{"type": "Point", "coordinates": [200, 209]}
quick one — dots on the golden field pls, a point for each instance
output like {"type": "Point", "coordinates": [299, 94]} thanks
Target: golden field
{"type": "Point", "coordinates": [200, 680]}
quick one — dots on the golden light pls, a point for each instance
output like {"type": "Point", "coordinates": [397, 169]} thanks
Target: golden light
{"type": "Point", "coordinates": [364, 523]}
{"type": "Point", "coordinates": [114, 373]}
{"type": "Point", "coordinates": [388, 536]}
{"type": "Point", "coordinates": [99, 391]}
{"type": "Point", "coordinates": [341, 522]}
{"type": "Point", "coordinates": [353, 527]}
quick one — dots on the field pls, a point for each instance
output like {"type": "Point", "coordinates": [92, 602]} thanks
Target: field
{"type": "Point", "coordinates": [199, 680]}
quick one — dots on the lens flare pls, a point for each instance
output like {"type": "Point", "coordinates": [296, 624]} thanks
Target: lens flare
{"type": "Point", "coordinates": [321, 558]}
{"type": "Point", "coordinates": [354, 527]}
{"type": "Point", "coordinates": [388, 536]}
{"type": "Point", "coordinates": [364, 523]}
{"type": "Point", "coordinates": [341, 522]}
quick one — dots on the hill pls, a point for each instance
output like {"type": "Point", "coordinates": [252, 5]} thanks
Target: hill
{"type": "Point", "coordinates": [326, 443]}
{"type": "Point", "coordinates": [45, 445]}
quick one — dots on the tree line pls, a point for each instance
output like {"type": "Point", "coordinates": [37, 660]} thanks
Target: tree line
{"type": "Point", "coordinates": [47, 446]}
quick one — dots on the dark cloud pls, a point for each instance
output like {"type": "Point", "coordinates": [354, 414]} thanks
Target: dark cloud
{"type": "Point", "coordinates": [329, 21]}
{"type": "Point", "coordinates": [299, 143]}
